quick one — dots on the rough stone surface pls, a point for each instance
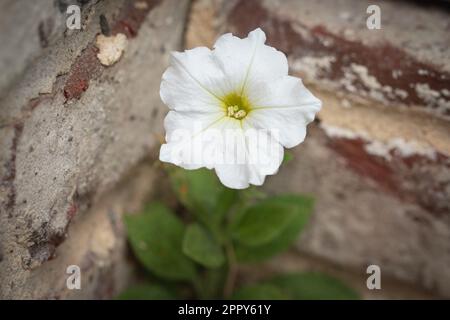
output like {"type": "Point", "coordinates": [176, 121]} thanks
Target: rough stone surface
{"type": "Point", "coordinates": [39, 28]}
{"type": "Point", "coordinates": [70, 130]}
{"type": "Point", "coordinates": [77, 137]}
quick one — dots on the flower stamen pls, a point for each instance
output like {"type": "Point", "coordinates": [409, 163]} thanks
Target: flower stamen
{"type": "Point", "coordinates": [236, 106]}
{"type": "Point", "coordinates": [235, 112]}
{"type": "Point", "coordinates": [240, 114]}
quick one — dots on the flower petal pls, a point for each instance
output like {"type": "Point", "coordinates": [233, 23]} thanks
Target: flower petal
{"type": "Point", "coordinates": [255, 155]}
{"type": "Point", "coordinates": [189, 140]}
{"type": "Point", "coordinates": [245, 60]}
{"type": "Point", "coordinates": [200, 134]}
{"type": "Point", "coordinates": [285, 107]}
{"type": "Point", "coordinates": [192, 82]}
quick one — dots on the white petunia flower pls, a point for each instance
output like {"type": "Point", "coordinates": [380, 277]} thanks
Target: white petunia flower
{"type": "Point", "coordinates": [233, 109]}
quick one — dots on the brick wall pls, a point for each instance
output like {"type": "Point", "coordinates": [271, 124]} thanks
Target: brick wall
{"type": "Point", "coordinates": [76, 136]}
{"type": "Point", "coordinates": [377, 160]}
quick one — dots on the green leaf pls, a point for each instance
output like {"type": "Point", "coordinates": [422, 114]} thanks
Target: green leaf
{"type": "Point", "coordinates": [261, 223]}
{"type": "Point", "coordinates": [313, 286]}
{"type": "Point", "coordinates": [252, 194]}
{"type": "Point", "coordinates": [288, 156]}
{"type": "Point", "coordinates": [196, 188]}
{"type": "Point", "coordinates": [200, 246]}
{"type": "Point", "coordinates": [201, 192]}
{"type": "Point", "coordinates": [263, 291]}
{"type": "Point", "coordinates": [156, 237]}
{"type": "Point", "coordinates": [146, 292]}
{"type": "Point", "coordinates": [225, 200]}
{"type": "Point", "coordinates": [302, 207]}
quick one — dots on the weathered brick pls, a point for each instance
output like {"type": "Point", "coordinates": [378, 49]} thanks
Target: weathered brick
{"type": "Point", "coordinates": [377, 160]}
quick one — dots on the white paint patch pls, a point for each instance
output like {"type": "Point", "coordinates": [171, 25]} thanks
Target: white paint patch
{"type": "Point", "coordinates": [363, 73]}
{"type": "Point", "coordinates": [379, 148]}
{"type": "Point", "coordinates": [347, 82]}
{"type": "Point", "coordinates": [433, 98]}
{"type": "Point", "coordinates": [338, 132]}
{"type": "Point", "coordinates": [403, 147]}
{"type": "Point", "coordinates": [110, 48]}
{"type": "Point", "coordinates": [141, 5]}
{"type": "Point", "coordinates": [396, 73]}
{"type": "Point", "coordinates": [401, 93]}
{"type": "Point", "coordinates": [425, 92]}
{"type": "Point", "coordinates": [313, 67]}
{"type": "Point", "coordinates": [359, 73]}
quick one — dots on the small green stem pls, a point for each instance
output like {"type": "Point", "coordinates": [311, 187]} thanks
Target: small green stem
{"type": "Point", "coordinates": [232, 270]}
{"type": "Point", "coordinates": [197, 283]}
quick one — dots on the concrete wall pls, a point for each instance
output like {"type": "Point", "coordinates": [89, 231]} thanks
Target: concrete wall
{"type": "Point", "coordinates": [71, 131]}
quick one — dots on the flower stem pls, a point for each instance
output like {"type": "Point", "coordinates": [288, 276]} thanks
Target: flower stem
{"type": "Point", "coordinates": [232, 270]}
{"type": "Point", "coordinates": [198, 284]}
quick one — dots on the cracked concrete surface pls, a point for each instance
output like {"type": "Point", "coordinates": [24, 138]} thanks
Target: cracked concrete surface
{"type": "Point", "coordinates": [60, 156]}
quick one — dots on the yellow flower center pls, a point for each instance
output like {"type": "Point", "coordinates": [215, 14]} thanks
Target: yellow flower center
{"type": "Point", "coordinates": [236, 106]}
